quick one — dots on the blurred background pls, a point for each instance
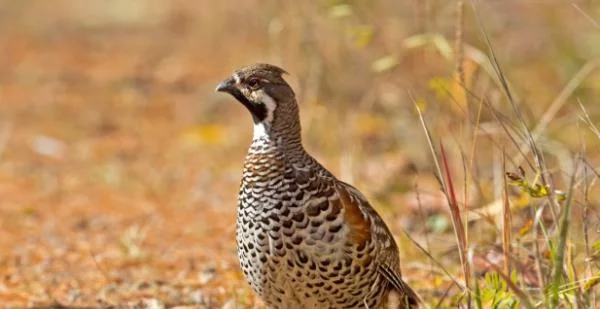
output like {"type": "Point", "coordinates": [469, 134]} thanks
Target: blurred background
{"type": "Point", "coordinates": [119, 165]}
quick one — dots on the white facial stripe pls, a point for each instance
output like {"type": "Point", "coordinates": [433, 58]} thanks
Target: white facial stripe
{"type": "Point", "coordinates": [270, 104]}
{"type": "Point", "coordinates": [260, 129]}
{"type": "Point", "coordinates": [236, 78]}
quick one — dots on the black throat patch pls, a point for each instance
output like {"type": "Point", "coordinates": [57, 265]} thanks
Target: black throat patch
{"type": "Point", "coordinates": [257, 109]}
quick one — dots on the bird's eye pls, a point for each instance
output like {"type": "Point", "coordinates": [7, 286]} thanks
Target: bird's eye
{"type": "Point", "coordinates": [253, 83]}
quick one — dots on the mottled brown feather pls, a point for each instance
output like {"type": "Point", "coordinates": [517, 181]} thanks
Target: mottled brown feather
{"type": "Point", "coordinates": [360, 227]}
{"type": "Point", "coordinates": [305, 239]}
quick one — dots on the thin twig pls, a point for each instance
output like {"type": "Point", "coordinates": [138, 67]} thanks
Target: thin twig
{"type": "Point", "coordinates": [586, 15]}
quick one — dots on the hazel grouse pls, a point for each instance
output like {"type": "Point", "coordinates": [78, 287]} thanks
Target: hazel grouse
{"type": "Point", "coordinates": [305, 239]}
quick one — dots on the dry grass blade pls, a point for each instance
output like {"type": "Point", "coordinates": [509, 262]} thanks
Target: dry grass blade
{"type": "Point", "coordinates": [441, 300]}
{"type": "Point", "coordinates": [506, 222]}
{"type": "Point", "coordinates": [448, 188]}
{"type": "Point", "coordinates": [585, 71]}
{"type": "Point", "coordinates": [586, 15]}
{"type": "Point", "coordinates": [591, 297]}
{"type": "Point", "coordinates": [459, 56]}
{"type": "Point", "coordinates": [457, 221]}
{"type": "Point", "coordinates": [504, 122]}
{"type": "Point", "coordinates": [496, 65]}
{"type": "Point", "coordinates": [436, 262]}
{"type": "Point", "coordinates": [539, 260]}
{"type": "Point", "coordinates": [562, 240]}
{"type": "Point", "coordinates": [430, 144]}
{"type": "Point", "coordinates": [539, 158]}
{"type": "Point", "coordinates": [574, 279]}
{"type": "Point", "coordinates": [591, 167]}
{"type": "Point", "coordinates": [474, 139]}
{"type": "Point", "coordinates": [586, 118]}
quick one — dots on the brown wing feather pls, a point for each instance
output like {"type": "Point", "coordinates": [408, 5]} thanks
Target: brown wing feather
{"type": "Point", "coordinates": [360, 226]}
{"type": "Point", "coordinates": [366, 225]}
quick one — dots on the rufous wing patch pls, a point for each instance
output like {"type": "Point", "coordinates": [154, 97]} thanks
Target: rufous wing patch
{"type": "Point", "coordinates": [360, 227]}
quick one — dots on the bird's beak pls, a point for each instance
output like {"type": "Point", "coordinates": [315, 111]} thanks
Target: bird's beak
{"type": "Point", "coordinates": [227, 85]}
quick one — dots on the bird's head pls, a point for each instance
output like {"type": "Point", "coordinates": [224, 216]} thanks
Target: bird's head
{"type": "Point", "coordinates": [263, 91]}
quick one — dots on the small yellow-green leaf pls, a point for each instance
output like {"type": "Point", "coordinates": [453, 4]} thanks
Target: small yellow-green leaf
{"type": "Point", "coordinates": [440, 86]}
{"type": "Point", "coordinates": [362, 35]}
{"type": "Point", "coordinates": [340, 10]}
{"type": "Point", "coordinates": [442, 45]}
{"type": "Point", "coordinates": [591, 282]}
{"type": "Point", "coordinates": [416, 41]}
{"type": "Point", "coordinates": [596, 245]}
{"type": "Point", "coordinates": [385, 63]}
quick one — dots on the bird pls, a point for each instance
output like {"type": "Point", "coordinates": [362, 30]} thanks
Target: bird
{"type": "Point", "coordinates": [305, 239]}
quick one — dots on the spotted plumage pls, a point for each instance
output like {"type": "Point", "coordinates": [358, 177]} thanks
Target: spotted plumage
{"type": "Point", "coordinates": [305, 239]}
